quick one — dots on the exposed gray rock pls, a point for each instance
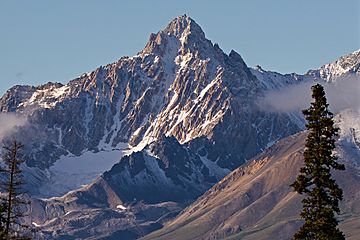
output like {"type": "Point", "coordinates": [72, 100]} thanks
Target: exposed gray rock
{"type": "Point", "coordinates": [180, 85]}
{"type": "Point", "coordinates": [163, 171]}
{"type": "Point", "coordinates": [188, 112]}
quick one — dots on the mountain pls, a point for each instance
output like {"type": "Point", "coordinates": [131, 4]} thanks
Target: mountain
{"type": "Point", "coordinates": [119, 151]}
{"type": "Point", "coordinates": [179, 85]}
{"type": "Point", "coordinates": [256, 201]}
{"type": "Point", "coordinates": [345, 66]}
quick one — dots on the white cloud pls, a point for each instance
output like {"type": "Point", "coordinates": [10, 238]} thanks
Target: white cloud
{"type": "Point", "coordinates": [343, 94]}
{"type": "Point", "coordinates": [8, 122]}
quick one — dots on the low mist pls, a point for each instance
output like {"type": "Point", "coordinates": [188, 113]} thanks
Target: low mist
{"type": "Point", "coordinates": [342, 94]}
{"type": "Point", "coordinates": [8, 123]}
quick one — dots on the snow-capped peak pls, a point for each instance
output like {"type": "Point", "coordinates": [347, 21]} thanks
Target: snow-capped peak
{"type": "Point", "coordinates": [346, 65]}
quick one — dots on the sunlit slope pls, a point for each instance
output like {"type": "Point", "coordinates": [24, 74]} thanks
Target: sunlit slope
{"type": "Point", "coordinates": [256, 202]}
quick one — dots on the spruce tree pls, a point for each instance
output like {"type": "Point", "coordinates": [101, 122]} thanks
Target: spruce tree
{"type": "Point", "coordinates": [2, 221]}
{"type": "Point", "coordinates": [315, 181]}
{"type": "Point", "coordinates": [12, 181]}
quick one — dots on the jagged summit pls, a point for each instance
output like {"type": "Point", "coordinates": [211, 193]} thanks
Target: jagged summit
{"type": "Point", "coordinates": [183, 25]}
{"type": "Point", "coordinates": [181, 36]}
{"type": "Point", "coordinates": [184, 42]}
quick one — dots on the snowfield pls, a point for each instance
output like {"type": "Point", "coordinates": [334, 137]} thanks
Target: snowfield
{"type": "Point", "coordinates": [72, 172]}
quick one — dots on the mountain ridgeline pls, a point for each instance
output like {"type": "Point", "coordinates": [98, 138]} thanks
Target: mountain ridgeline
{"type": "Point", "coordinates": [181, 85]}
{"type": "Point", "coordinates": [188, 113]}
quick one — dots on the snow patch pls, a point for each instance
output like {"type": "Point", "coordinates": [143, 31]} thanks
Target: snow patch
{"type": "Point", "coordinates": [121, 207]}
{"type": "Point", "coordinates": [349, 123]}
{"type": "Point", "coordinates": [72, 172]}
{"type": "Point", "coordinates": [47, 98]}
{"type": "Point", "coordinates": [36, 225]}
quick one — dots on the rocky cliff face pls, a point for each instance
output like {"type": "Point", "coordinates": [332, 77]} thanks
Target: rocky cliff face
{"type": "Point", "coordinates": [187, 115]}
{"type": "Point", "coordinates": [180, 85]}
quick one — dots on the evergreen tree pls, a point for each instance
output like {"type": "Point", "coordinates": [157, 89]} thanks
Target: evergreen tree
{"type": "Point", "coordinates": [11, 185]}
{"type": "Point", "coordinates": [315, 180]}
{"type": "Point", "coordinates": [2, 221]}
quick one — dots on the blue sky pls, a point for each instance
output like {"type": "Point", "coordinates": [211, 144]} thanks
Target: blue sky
{"type": "Point", "coordinates": [49, 40]}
